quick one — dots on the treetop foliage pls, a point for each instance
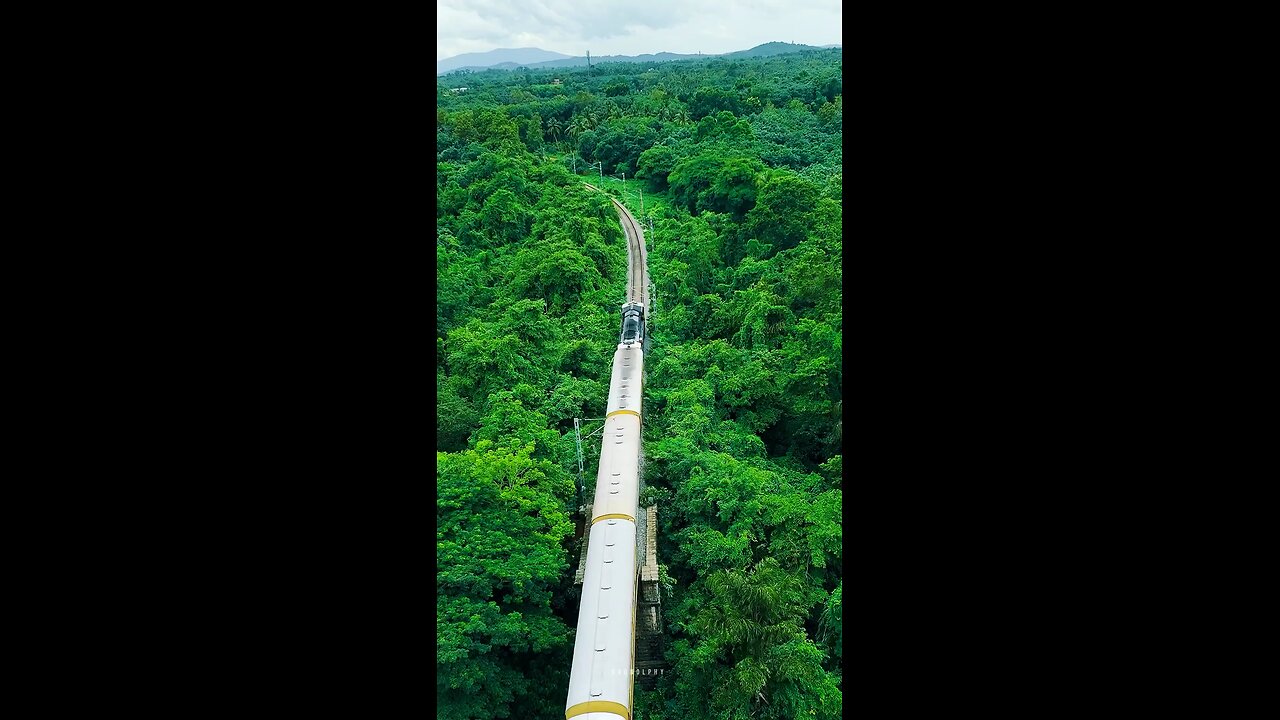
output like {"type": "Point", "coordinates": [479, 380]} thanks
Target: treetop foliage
{"type": "Point", "coordinates": [740, 165]}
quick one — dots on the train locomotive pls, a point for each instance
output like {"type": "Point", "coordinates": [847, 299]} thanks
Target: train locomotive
{"type": "Point", "coordinates": [632, 325]}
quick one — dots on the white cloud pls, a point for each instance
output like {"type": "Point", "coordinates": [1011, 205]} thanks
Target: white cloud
{"type": "Point", "coordinates": [611, 27]}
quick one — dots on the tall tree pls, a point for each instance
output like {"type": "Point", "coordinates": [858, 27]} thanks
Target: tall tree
{"type": "Point", "coordinates": [501, 521]}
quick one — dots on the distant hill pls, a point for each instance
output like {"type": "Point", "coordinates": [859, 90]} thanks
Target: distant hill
{"type": "Point", "coordinates": [596, 60]}
{"type": "Point", "coordinates": [561, 61]}
{"type": "Point", "coordinates": [767, 49]}
{"type": "Point", "coordinates": [515, 56]}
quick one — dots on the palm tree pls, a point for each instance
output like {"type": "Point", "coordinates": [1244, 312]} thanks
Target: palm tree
{"type": "Point", "coordinates": [578, 125]}
{"type": "Point", "coordinates": [751, 613]}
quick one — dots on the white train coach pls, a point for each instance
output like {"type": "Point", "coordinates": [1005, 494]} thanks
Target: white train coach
{"type": "Point", "coordinates": [602, 677]}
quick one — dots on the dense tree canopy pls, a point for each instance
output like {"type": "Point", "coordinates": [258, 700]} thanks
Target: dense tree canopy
{"type": "Point", "coordinates": [740, 165]}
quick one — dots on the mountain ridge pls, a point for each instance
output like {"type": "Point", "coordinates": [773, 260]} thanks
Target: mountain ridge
{"type": "Point", "coordinates": [498, 56]}
{"type": "Point", "coordinates": [763, 50]}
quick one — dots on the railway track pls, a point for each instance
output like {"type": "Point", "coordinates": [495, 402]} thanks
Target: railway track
{"type": "Point", "coordinates": [637, 257]}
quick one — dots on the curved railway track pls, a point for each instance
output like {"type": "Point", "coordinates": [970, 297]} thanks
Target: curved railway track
{"type": "Point", "coordinates": [637, 256]}
{"type": "Point", "coordinates": [635, 249]}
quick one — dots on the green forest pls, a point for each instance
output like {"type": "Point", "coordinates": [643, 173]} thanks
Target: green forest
{"type": "Point", "coordinates": [738, 166]}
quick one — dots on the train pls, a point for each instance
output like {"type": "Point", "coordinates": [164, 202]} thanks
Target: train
{"type": "Point", "coordinates": [603, 673]}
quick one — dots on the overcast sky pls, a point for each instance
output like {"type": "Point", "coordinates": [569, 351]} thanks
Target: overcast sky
{"type": "Point", "coordinates": [632, 27]}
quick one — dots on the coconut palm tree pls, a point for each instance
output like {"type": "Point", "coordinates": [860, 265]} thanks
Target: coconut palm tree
{"type": "Point", "coordinates": [578, 125]}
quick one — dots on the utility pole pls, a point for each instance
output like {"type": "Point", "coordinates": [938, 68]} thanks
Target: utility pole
{"type": "Point", "coordinates": [642, 201]}
{"type": "Point", "coordinates": [577, 435]}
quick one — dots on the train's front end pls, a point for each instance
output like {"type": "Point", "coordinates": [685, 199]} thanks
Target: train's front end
{"type": "Point", "coordinates": [632, 326]}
